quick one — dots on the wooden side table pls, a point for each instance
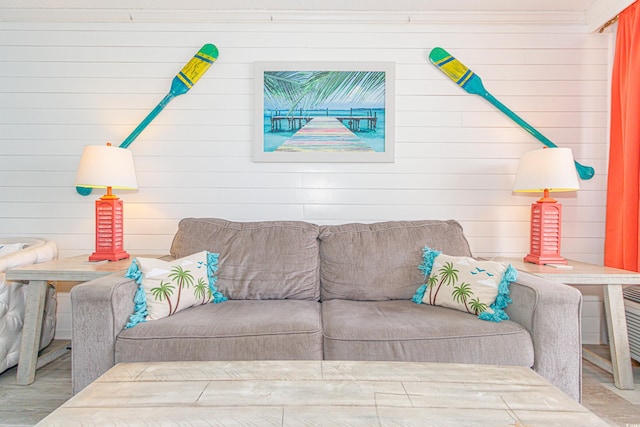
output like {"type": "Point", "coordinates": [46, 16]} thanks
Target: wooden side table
{"type": "Point", "coordinates": [75, 269]}
{"type": "Point", "coordinates": [611, 280]}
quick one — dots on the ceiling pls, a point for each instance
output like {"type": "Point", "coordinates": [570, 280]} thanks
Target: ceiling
{"type": "Point", "coordinates": [590, 13]}
{"type": "Point", "coordinates": [407, 5]}
{"type": "Point", "coordinates": [321, 5]}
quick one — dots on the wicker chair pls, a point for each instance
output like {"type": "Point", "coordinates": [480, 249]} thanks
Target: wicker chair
{"type": "Point", "coordinates": [16, 252]}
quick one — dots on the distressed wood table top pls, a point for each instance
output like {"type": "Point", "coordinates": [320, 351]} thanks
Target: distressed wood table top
{"type": "Point", "coordinates": [581, 273]}
{"type": "Point", "coordinates": [337, 393]}
{"type": "Point", "coordinates": [77, 268]}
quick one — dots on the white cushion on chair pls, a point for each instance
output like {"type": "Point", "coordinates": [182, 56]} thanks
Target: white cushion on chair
{"type": "Point", "coordinates": [36, 251]}
{"type": "Point", "coordinates": [13, 297]}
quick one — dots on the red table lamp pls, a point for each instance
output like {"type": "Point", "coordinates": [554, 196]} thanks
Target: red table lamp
{"type": "Point", "coordinates": [105, 166]}
{"type": "Point", "coordinates": [546, 170]}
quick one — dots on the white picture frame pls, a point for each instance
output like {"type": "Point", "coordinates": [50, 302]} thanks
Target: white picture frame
{"type": "Point", "coordinates": [324, 98]}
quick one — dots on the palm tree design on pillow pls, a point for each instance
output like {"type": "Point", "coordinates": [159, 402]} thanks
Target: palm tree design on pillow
{"type": "Point", "coordinates": [201, 290]}
{"type": "Point", "coordinates": [431, 283]}
{"type": "Point", "coordinates": [165, 290]}
{"type": "Point", "coordinates": [462, 293]}
{"type": "Point", "coordinates": [477, 306]}
{"type": "Point", "coordinates": [183, 279]}
{"type": "Point", "coordinates": [448, 276]}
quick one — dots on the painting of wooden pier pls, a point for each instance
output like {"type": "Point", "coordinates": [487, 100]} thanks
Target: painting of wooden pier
{"type": "Point", "coordinates": [325, 134]}
{"type": "Point", "coordinates": [367, 120]}
{"type": "Point", "coordinates": [318, 112]}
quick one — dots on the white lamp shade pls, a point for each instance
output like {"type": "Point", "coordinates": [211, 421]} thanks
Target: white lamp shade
{"type": "Point", "coordinates": [104, 166]}
{"type": "Point", "coordinates": [551, 169]}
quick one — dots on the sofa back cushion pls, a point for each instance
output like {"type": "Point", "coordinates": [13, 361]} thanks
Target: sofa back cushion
{"type": "Point", "coordinates": [379, 261]}
{"type": "Point", "coordinates": [258, 260]}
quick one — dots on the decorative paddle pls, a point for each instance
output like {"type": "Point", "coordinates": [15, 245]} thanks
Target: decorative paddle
{"type": "Point", "coordinates": [181, 83]}
{"type": "Point", "coordinates": [471, 82]}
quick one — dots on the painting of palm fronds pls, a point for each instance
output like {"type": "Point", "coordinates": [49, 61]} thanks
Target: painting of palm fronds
{"type": "Point", "coordinates": [320, 112]}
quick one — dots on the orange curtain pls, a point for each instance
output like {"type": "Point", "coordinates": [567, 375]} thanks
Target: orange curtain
{"type": "Point", "coordinates": [623, 202]}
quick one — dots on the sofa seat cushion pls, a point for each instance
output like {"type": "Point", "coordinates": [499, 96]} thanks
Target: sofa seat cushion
{"type": "Point", "coordinates": [403, 331]}
{"type": "Point", "coordinates": [234, 330]}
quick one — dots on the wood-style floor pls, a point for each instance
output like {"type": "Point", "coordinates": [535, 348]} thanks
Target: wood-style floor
{"type": "Point", "coordinates": [27, 405]}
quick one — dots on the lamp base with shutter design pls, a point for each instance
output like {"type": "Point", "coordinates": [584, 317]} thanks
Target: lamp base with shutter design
{"type": "Point", "coordinates": [109, 230]}
{"type": "Point", "coordinates": [546, 224]}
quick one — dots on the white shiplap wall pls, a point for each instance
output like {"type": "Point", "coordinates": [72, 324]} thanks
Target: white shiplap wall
{"type": "Point", "coordinates": [67, 84]}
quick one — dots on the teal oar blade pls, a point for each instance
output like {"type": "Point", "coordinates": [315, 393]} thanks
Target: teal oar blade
{"type": "Point", "coordinates": [181, 83]}
{"type": "Point", "coordinates": [472, 83]}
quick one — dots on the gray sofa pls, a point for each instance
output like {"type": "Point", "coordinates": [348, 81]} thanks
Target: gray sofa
{"type": "Point", "coordinates": [338, 292]}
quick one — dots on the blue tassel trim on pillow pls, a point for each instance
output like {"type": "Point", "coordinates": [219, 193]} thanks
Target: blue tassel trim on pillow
{"type": "Point", "coordinates": [140, 299]}
{"type": "Point", "coordinates": [140, 309]}
{"type": "Point", "coordinates": [428, 257]}
{"type": "Point", "coordinates": [134, 272]}
{"type": "Point", "coordinates": [212, 269]}
{"type": "Point", "coordinates": [417, 298]}
{"type": "Point", "coordinates": [502, 299]}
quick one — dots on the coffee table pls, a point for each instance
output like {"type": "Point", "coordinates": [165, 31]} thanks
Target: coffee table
{"type": "Point", "coordinates": [337, 393]}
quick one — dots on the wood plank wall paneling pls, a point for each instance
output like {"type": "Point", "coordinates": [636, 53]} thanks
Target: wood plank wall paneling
{"type": "Point", "coordinates": [65, 85]}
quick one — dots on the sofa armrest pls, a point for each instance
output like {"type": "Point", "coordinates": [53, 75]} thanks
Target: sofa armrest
{"type": "Point", "coordinates": [551, 313]}
{"type": "Point", "coordinates": [100, 310]}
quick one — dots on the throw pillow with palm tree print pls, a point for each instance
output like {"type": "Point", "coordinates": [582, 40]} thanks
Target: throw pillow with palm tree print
{"type": "Point", "coordinates": [476, 287]}
{"type": "Point", "coordinates": [167, 287]}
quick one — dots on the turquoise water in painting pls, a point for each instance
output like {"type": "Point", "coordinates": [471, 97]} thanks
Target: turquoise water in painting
{"type": "Point", "coordinates": [374, 139]}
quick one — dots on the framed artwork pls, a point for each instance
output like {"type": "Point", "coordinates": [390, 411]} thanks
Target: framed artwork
{"type": "Point", "coordinates": [324, 112]}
